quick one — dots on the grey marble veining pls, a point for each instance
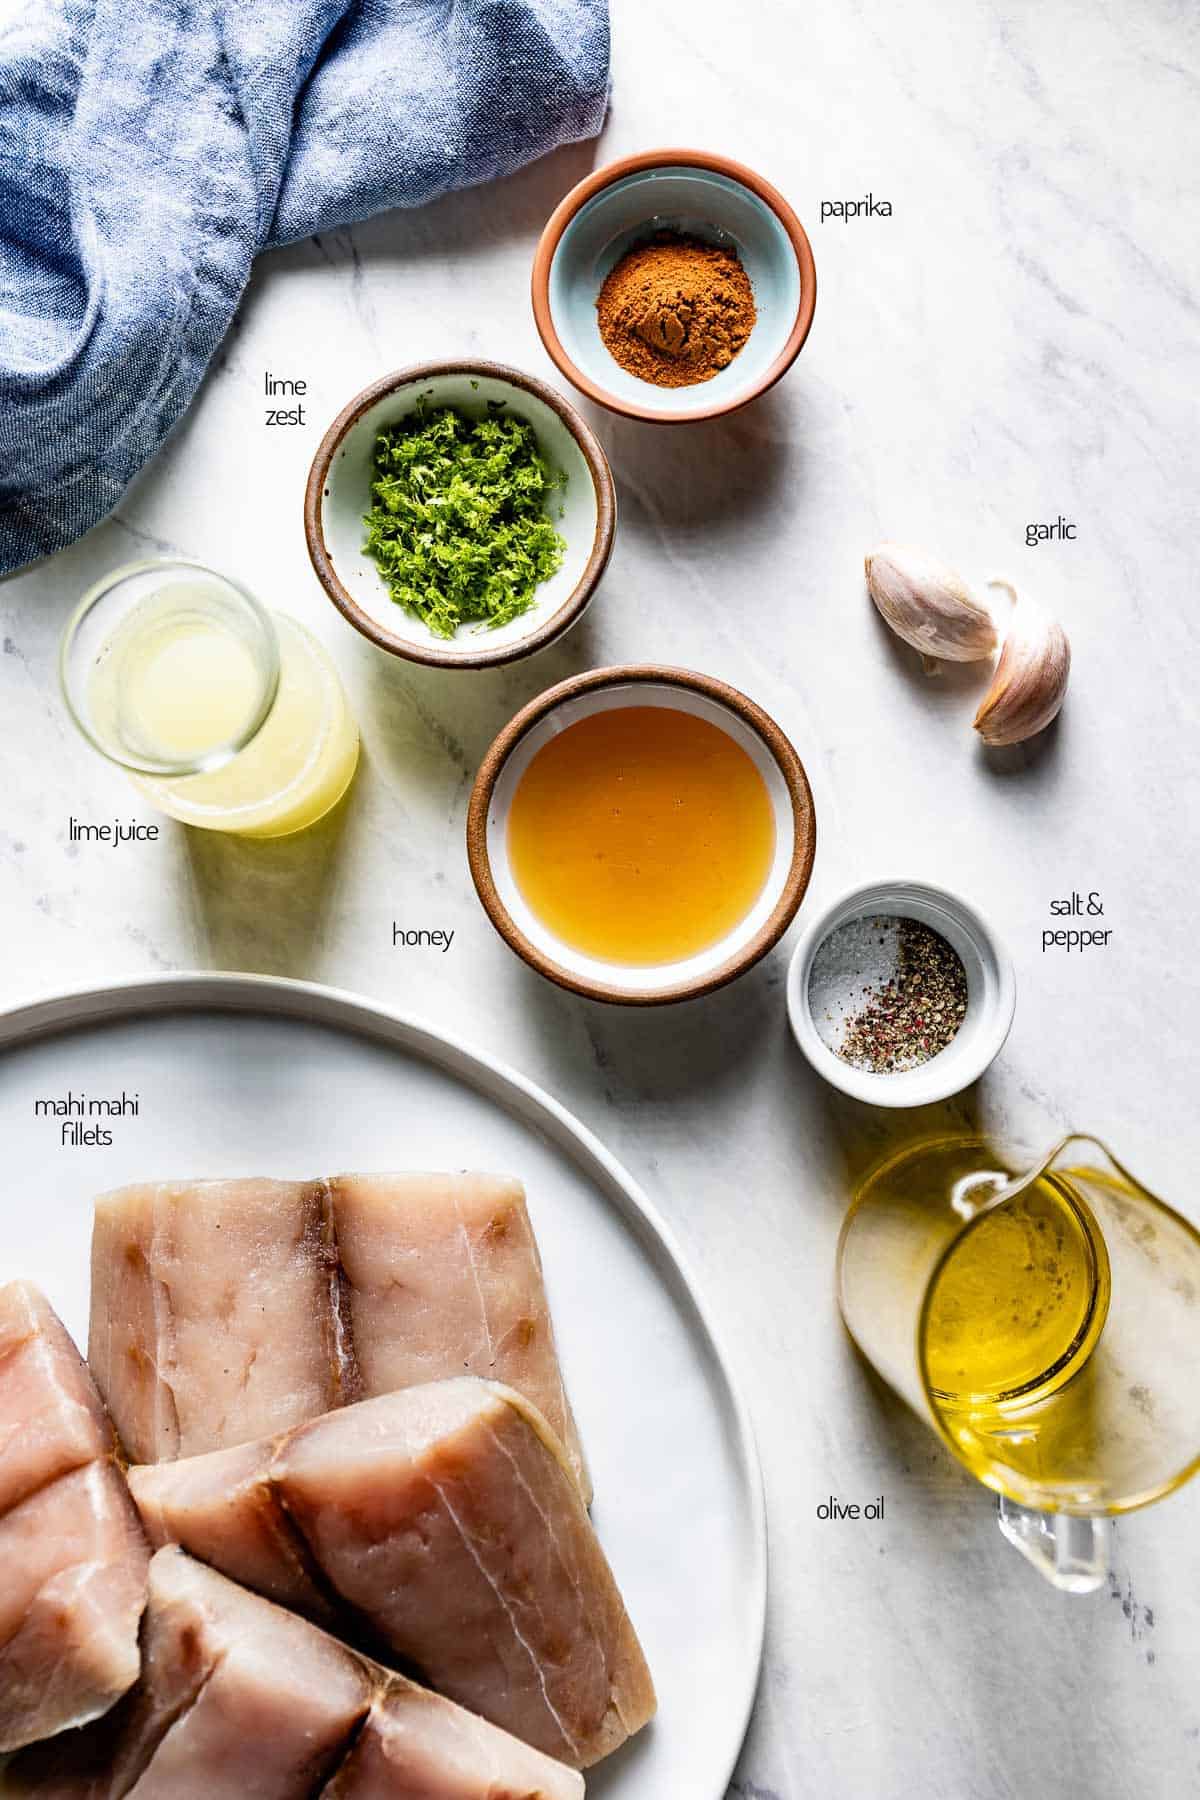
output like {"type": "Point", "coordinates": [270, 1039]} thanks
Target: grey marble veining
{"type": "Point", "coordinates": [1018, 340]}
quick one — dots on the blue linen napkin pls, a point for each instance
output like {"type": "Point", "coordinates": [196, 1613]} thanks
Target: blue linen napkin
{"type": "Point", "coordinates": [150, 148]}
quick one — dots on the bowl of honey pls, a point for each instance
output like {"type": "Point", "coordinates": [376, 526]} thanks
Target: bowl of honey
{"type": "Point", "coordinates": [641, 834]}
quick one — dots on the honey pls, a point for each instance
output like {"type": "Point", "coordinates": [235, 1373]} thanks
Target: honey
{"type": "Point", "coordinates": [641, 835]}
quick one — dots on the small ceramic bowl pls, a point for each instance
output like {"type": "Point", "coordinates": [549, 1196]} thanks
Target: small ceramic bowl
{"type": "Point", "coordinates": [339, 494]}
{"type": "Point", "coordinates": [641, 685]}
{"type": "Point", "coordinates": [991, 994]}
{"type": "Point", "coordinates": [707, 197]}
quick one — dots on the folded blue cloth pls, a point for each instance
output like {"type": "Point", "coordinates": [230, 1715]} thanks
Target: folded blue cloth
{"type": "Point", "coordinates": [150, 148]}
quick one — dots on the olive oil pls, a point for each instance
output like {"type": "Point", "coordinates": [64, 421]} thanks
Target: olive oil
{"type": "Point", "coordinates": [1045, 1324]}
{"type": "Point", "coordinates": [1018, 1303]}
{"type": "Point", "coordinates": [1011, 1324]}
{"type": "Point", "coordinates": [641, 835]}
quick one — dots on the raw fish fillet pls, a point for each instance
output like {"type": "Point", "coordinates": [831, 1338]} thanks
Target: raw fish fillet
{"type": "Point", "coordinates": [51, 1417]}
{"type": "Point", "coordinates": [444, 1522]}
{"type": "Point", "coordinates": [73, 1556]}
{"type": "Point", "coordinates": [224, 1508]}
{"type": "Point", "coordinates": [210, 1312]}
{"type": "Point", "coordinates": [416, 1746]}
{"type": "Point", "coordinates": [225, 1311]}
{"type": "Point", "coordinates": [443, 1277]}
{"type": "Point", "coordinates": [239, 1700]}
{"type": "Point", "coordinates": [235, 1697]}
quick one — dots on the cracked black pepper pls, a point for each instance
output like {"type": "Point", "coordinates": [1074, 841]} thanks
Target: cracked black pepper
{"type": "Point", "coordinates": [915, 1013]}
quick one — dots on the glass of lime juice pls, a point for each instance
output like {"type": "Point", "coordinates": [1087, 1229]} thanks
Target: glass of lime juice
{"type": "Point", "coordinates": [223, 714]}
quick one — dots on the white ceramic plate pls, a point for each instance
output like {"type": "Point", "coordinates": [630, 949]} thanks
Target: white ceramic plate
{"type": "Point", "coordinates": [238, 1074]}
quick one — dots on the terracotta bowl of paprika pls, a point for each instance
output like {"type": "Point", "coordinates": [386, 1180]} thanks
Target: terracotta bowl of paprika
{"type": "Point", "coordinates": [674, 286]}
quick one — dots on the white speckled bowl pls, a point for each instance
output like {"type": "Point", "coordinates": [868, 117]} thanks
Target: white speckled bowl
{"type": "Point", "coordinates": [339, 494]}
{"type": "Point", "coordinates": [991, 994]}
{"type": "Point", "coordinates": [705, 196]}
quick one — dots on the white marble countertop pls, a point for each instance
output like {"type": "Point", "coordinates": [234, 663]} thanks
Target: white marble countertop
{"type": "Point", "coordinates": [1017, 341]}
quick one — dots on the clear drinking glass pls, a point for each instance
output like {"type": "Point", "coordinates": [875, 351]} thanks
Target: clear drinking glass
{"type": "Point", "coordinates": [1044, 1320]}
{"type": "Point", "coordinates": [224, 715]}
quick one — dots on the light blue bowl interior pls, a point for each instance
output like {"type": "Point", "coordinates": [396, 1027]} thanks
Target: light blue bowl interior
{"type": "Point", "coordinates": [705, 205]}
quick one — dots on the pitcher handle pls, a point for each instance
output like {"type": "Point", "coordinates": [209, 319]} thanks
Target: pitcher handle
{"type": "Point", "coordinates": [1072, 1552]}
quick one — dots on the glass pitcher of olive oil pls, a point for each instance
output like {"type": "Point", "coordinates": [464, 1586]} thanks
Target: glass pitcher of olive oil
{"type": "Point", "coordinates": [1045, 1323]}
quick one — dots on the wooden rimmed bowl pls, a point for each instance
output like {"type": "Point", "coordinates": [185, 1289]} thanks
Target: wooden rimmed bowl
{"type": "Point", "coordinates": [339, 494]}
{"type": "Point", "coordinates": [701, 195]}
{"type": "Point", "coordinates": [641, 685]}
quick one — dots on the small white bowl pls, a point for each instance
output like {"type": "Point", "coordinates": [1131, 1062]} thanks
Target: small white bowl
{"type": "Point", "coordinates": [601, 690]}
{"type": "Point", "coordinates": [339, 494]}
{"type": "Point", "coordinates": [991, 994]}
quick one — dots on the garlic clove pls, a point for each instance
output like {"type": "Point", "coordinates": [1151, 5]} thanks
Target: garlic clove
{"type": "Point", "coordinates": [928, 605]}
{"type": "Point", "coordinates": [1030, 681]}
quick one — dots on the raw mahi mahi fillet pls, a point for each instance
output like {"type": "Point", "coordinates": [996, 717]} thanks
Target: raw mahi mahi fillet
{"type": "Point", "coordinates": [443, 1277]}
{"type": "Point", "coordinates": [416, 1746]}
{"type": "Point", "coordinates": [73, 1557]}
{"type": "Point", "coordinates": [224, 1311]}
{"type": "Point", "coordinates": [239, 1700]}
{"type": "Point", "coordinates": [444, 1523]}
{"type": "Point", "coordinates": [211, 1315]}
